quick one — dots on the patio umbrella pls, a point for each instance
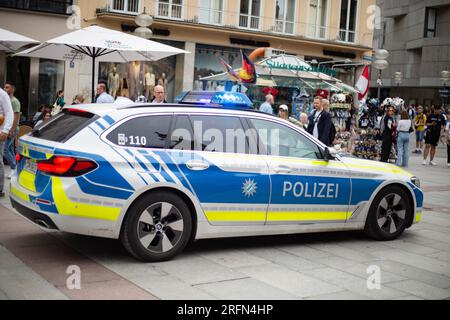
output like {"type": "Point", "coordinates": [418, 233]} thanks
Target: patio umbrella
{"type": "Point", "coordinates": [101, 44]}
{"type": "Point", "coordinates": [11, 42]}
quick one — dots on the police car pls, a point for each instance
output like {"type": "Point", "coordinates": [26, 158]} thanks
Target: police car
{"type": "Point", "coordinates": [158, 176]}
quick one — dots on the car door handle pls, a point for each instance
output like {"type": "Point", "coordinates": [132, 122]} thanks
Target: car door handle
{"type": "Point", "coordinates": [197, 165]}
{"type": "Point", "coordinates": [282, 170]}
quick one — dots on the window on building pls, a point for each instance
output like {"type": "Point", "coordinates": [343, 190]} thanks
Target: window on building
{"type": "Point", "coordinates": [51, 6]}
{"type": "Point", "coordinates": [126, 6]}
{"type": "Point", "coordinates": [284, 16]}
{"type": "Point", "coordinates": [347, 31]}
{"type": "Point", "coordinates": [211, 11]}
{"type": "Point", "coordinates": [318, 10]}
{"type": "Point", "coordinates": [430, 22]}
{"type": "Point", "coordinates": [170, 9]}
{"type": "Point", "coordinates": [142, 132]}
{"type": "Point", "coordinates": [250, 14]}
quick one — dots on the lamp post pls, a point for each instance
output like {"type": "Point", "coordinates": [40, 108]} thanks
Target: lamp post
{"type": "Point", "coordinates": [143, 20]}
{"type": "Point", "coordinates": [445, 78]}
{"type": "Point", "coordinates": [380, 64]}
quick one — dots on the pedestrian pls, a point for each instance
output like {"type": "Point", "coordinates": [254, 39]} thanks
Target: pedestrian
{"type": "Point", "coordinates": [304, 120]}
{"type": "Point", "coordinates": [387, 127]}
{"type": "Point", "coordinates": [320, 122]}
{"type": "Point", "coordinates": [79, 99]}
{"type": "Point", "coordinates": [59, 103]}
{"type": "Point", "coordinates": [10, 144]}
{"type": "Point", "coordinates": [434, 125]}
{"type": "Point", "coordinates": [447, 131]}
{"type": "Point", "coordinates": [6, 123]}
{"type": "Point", "coordinates": [266, 107]}
{"type": "Point", "coordinates": [102, 95]}
{"type": "Point", "coordinates": [160, 95]}
{"type": "Point", "coordinates": [419, 125]}
{"type": "Point", "coordinates": [404, 129]}
{"type": "Point", "coordinates": [46, 115]}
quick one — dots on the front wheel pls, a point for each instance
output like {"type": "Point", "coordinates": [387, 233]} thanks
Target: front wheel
{"type": "Point", "coordinates": [157, 227]}
{"type": "Point", "coordinates": [388, 214]}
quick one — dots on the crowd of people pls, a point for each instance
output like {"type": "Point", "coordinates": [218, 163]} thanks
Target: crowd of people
{"type": "Point", "coordinates": [431, 125]}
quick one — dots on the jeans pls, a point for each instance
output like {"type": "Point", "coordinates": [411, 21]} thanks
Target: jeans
{"type": "Point", "coordinates": [10, 152]}
{"type": "Point", "coordinates": [403, 149]}
{"type": "Point", "coordinates": [2, 168]}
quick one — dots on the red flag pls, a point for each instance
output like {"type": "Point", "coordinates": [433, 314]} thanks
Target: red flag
{"type": "Point", "coordinates": [363, 83]}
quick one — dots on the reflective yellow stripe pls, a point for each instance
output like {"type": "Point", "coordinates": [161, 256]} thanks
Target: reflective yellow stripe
{"type": "Point", "coordinates": [25, 151]}
{"type": "Point", "coordinates": [67, 207]}
{"type": "Point", "coordinates": [306, 216]}
{"type": "Point", "coordinates": [48, 155]}
{"type": "Point", "coordinates": [27, 180]}
{"type": "Point", "coordinates": [236, 216]}
{"type": "Point", "coordinates": [20, 194]}
{"type": "Point", "coordinates": [418, 217]}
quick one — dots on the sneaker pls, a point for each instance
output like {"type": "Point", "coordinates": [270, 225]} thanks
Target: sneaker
{"type": "Point", "coordinates": [424, 162]}
{"type": "Point", "coordinates": [415, 151]}
{"type": "Point", "coordinates": [432, 163]}
{"type": "Point", "coordinates": [448, 164]}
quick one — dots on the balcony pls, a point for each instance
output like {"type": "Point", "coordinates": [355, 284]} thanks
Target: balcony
{"type": "Point", "coordinates": [170, 10]}
{"type": "Point", "coordinates": [249, 22]}
{"type": "Point", "coordinates": [46, 6]}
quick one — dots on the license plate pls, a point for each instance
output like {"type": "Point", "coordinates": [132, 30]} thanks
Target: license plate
{"type": "Point", "coordinates": [31, 166]}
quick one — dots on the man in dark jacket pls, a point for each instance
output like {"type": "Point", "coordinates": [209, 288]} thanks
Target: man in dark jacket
{"type": "Point", "coordinates": [320, 122]}
{"type": "Point", "coordinates": [387, 126]}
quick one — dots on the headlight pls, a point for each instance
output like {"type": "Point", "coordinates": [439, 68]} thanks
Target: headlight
{"type": "Point", "coordinates": [415, 181]}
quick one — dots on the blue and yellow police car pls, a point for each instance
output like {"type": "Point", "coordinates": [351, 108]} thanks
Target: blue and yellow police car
{"type": "Point", "coordinates": [159, 176]}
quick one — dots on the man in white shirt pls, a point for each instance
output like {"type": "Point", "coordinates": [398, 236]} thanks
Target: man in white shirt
{"type": "Point", "coordinates": [6, 123]}
{"type": "Point", "coordinates": [102, 94]}
{"type": "Point", "coordinates": [160, 94]}
{"type": "Point", "coordinates": [266, 107]}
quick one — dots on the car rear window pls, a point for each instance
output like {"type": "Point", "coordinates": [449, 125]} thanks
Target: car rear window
{"type": "Point", "coordinates": [64, 125]}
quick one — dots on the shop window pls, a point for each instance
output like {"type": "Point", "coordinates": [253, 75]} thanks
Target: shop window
{"type": "Point", "coordinates": [170, 9]}
{"type": "Point", "coordinates": [51, 80]}
{"type": "Point", "coordinates": [284, 16]}
{"type": "Point", "coordinates": [347, 30]}
{"type": "Point", "coordinates": [211, 11]}
{"type": "Point", "coordinates": [250, 14]}
{"type": "Point", "coordinates": [51, 6]}
{"type": "Point", "coordinates": [430, 23]}
{"type": "Point", "coordinates": [318, 11]}
{"type": "Point", "coordinates": [126, 6]}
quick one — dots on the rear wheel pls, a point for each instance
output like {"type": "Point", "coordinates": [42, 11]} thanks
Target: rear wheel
{"type": "Point", "coordinates": [388, 214]}
{"type": "Point", "coordinates": [157, 227]}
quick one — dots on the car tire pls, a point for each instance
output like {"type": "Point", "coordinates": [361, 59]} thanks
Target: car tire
{"type": "Point", "coordinates": [157, 227]}
{"type": "Point", "coordinates": [389, 214]}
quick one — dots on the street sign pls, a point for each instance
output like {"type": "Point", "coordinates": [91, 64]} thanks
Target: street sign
{"type": "Point", "coordinates": [443, 93]}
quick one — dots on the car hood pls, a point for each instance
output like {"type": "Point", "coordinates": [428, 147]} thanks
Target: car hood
{"type": "Point", "coordinates": [376, 169]}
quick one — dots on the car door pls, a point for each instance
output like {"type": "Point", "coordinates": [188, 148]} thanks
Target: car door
{"type": "Point", "coordinates": [230, 181]}
{"type": "Point", "coordinates": [305, 188]}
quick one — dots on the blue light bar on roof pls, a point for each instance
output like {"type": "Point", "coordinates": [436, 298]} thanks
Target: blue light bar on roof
{"type": "Point", "coordinates": [229, 100]}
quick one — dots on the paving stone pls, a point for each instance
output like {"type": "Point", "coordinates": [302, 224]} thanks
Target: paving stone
{"type": "Point", "coordinates": [345, 253]}
{"type": "Point", "coordinates": [409, 298]}
{"type": "Point", "coordinates": [342, 295]}
{"type": "Point", "coordinates": [293, 282]}
{"type": "Point", "coordinates": [441, 255]}
{"type": "Point", "coordinates": [411, 247]}
{"type": "Point", "coordinates": [306, 252]}
{"type": "Point", "coordinates": [3, 296]}
{"type": "Point", "coordinates": [360, 270]}
{"type": "Point", "coordinates": [245, 289]}
{"type": "Point", "coordinates": [234, 258]}
{"type": "Point", "coordinates": [420, 289]}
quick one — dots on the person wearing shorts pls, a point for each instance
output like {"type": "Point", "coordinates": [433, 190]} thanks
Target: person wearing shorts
{"type": "Point", "coordinates": [419, 125]}
{"type": "Point", "coordinates": [432, 135]}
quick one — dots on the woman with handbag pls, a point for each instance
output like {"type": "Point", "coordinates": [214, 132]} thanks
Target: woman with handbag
{"type": "Point", "coordinates": [59, 103]}
{"type": "Point", "coordinates": [405, 128]}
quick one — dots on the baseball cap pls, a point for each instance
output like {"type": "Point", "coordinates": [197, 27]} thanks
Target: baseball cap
{"type": "Point", "coordinates": [284, 107]}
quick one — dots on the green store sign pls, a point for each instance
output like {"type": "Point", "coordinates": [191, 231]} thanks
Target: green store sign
{"type": "Point", "coordinates": [288, 66]}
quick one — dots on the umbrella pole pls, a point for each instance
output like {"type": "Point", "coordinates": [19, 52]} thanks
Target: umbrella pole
{"type": "Point", "coordinates": [93, 78]}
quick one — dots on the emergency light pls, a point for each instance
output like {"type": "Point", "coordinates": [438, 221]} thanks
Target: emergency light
{"type": "Point", "coordinates": [228, 100]}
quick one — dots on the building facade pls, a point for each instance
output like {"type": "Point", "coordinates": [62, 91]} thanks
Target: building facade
{"type": "Point", "coordinates": [320, 30]}
{"type": "Point", "coordinates": [416, 34]}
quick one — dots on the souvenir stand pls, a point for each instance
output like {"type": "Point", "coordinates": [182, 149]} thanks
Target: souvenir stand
{"type": "Point", "coordinates": [367, 133]}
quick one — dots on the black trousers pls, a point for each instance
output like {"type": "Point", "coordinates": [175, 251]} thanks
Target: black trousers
{"type": "Point", "coordinates": [448, 153]}
{"type": "Point", "coordinates": [386, 147]}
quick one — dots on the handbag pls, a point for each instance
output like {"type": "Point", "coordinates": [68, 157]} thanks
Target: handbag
{"type": "Point", "coordinates": [411, 130]}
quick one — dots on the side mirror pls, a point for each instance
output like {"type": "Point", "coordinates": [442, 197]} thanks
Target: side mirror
{"type": "Point", "coordinates": [330, 154]}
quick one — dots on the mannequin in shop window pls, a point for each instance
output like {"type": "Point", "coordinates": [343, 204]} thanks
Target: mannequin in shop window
{"type": "Point", "coordinates": [149, 83]}
{"type": "Point", "coordinates": [124, 87]}
{"type": "Point", "coordinates": [113, 82]}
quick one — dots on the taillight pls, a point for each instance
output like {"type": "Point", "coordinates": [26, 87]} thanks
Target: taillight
{"type": "Point", "coordinates": [18, 158]}
{"type": "Point", "coordinates": [66, 166]}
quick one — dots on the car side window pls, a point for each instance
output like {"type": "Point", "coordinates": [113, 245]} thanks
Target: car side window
{"type": "Point", "coordinates": [283, 141]}
{"type": "Point", "coordinates": [182, 136]}
{"type": "Point", "coordinates": [219, 134]}
{"type": "Point", "coordinates": [142, 132]}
